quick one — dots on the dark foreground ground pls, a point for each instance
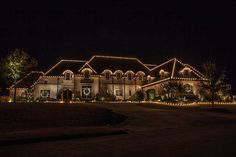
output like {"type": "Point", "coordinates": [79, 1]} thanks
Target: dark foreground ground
{"type": "Point", "coordinates": [152, 131]}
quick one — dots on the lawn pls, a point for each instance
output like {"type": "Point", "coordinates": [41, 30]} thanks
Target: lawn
{"type": "Point", "coordinates": [152, 130]}
{"type": "Point", "coordinates": [18, 117]}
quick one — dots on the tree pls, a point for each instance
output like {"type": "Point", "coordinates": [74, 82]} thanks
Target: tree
{"type": "Point", "coordinates": [215, 80]}
{"type": "Point", "coordinates": [139, 95]}
{"type": "Point", "coordinates": [173, 89]}
{"type": "Point", "coordinates": [15, 65]}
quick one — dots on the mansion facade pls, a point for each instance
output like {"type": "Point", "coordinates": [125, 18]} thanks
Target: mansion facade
{"type": "Point", "coordinates": [119, 76]}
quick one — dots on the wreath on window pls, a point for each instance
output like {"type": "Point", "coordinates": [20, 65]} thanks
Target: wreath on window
{"type": "Point", "coordinates": [44, 93]}
{"type": "Point", "coordinates": [86, 91]}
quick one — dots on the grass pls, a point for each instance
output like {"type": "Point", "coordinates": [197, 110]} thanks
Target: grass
{"type": "Point", "coordinates": [18, 117]}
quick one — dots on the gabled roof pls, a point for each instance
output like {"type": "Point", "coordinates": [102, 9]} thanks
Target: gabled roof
{"type": "Point", "coordinates": [174, 66]}
{"type": "Point", "coordinates": [151, 66]}
{"type": "Point", "coordinates": [29, 80]}
{"type": "Point", "coordinates": [62, 65]}
{"type": "Point", "coordinates": [101, 63]}
{"type": "Point", "coordinates": [166, 66]}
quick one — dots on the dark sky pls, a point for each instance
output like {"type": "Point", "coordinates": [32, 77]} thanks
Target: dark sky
{"type": "Point", "coordinates": [194, 32]}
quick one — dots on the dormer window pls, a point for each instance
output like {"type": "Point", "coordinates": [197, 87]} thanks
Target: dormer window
{"type": "Point", "coordinates": [118, 75]}
{"type": "Point", "coordinates": [107, 75]}
{"type": "Point", "coordinates": [86, 74]}
{"type": "Point", "coordinates": [130, 76]}
{"type": "Point", "coordinates": [140, 77]}
{"type": "Point", "coordinates": [185, 71]}
{"type": "Point", "coordinates": [68, 76]}
{"type": "Point", "coordinates": [163, 73]}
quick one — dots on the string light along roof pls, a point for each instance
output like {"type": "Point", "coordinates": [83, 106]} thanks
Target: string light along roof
{"type": "Point", "coordinates": [113, 63]}
{"type": "Point", "coordinates": [29, 80]}
{"type": "Point", "coordinates": [62, 65]}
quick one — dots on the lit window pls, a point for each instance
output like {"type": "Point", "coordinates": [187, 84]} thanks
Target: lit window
{"type": "Point", "coordinates": [107, 75]}
{"type": "Point", "coordinates": [186, 71]}
{"type": "Point", "coordinates": [162, 73]}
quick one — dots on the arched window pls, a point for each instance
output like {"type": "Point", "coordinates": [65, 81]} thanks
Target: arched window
{"type": "Point", "coordinates": [140, 77]}
{"type": "Point", "coordinates": [118, 75]}
{"type": "Point", "coordinates": [185, 71]}
{"type": "Point", "coordinates": [67, 76]}
{"type": "Point", "coordinates": [86, 74]}
{"type": "Point", "coordinates": [130, 76]}
{"type": "Point", "coordinates": [162, 73]}
{"type": "Point", "coordinates": [107, 75]}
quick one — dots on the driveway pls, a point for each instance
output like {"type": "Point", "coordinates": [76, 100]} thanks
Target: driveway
{"type": "Point", "coordinates": [151, 132]}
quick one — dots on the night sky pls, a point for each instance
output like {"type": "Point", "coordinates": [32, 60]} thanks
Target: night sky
{"type": "Point", "coordinates": [194, 32]}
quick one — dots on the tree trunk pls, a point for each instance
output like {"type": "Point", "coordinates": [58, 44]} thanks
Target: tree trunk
{"type": "Point", "coordinates": [212, 100]}
{"type": "Point", "coordinates": [14, 99]}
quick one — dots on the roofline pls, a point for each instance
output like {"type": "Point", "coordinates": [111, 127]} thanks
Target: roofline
{"type": "Point", "coordinates": [152, 83]}
{"type": "Point", "coordinates": [173, 78]}
{"type": "Point", "coordinates": [163, 63]}
{"type": "Point", "coordinates": [151, 64]}
{"type": "Point", "coordinates": [25, 77]}
{"type": "Point", "coordinates": [118, 57]}
{"type": "Point", "coordinates": [173, 68]}
{"type": "Point", "coordinates": [89, 67]}
{"type": "Point", "coordinates": [67, 60]}
{"type": "Point", "coordinates": [195, 71]}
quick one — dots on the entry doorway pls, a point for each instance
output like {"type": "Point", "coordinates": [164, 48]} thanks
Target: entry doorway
{"type": "Point", "coordinates": [67, 94]}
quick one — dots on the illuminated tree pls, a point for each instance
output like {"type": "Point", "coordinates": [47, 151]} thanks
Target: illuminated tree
{"type": "Point", "coordinates": [215, 83]}
{"type": "Point", "coordinates": [139, 95]}
{"type": "Point", "coordinates": [15, 65]}
{"type": "Point", "coordinates": [173, 89]}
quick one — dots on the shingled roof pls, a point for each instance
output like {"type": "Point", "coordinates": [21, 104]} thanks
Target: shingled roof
{"type": "Point", "coordinates": [28, 80]}
{"type": "Point", "coordinates": [151, 66]}
{"type": "Point", "coordinates": [173, 67]}
{"type": "Point", "coordinates": [62, 65]}
{"type": "Point", "coordinates": [101, 63]}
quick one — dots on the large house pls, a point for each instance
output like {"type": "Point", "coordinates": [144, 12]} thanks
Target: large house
{"type": "Point", "coordinates": [120, 76]}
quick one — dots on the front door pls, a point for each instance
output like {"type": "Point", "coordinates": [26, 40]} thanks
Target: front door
{"type": "Point", "coordinates": [86, 92]}
{"type": "Point", "coordinates": [67, 95]}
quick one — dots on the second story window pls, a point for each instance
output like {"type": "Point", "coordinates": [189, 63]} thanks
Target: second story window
{"type": "Point", "coordinates": [129, 76]}
{"type": "Point", "coordinates": [107, 75]}
{"type": "Point", "coordinates": [118, 75]}
{"type": "Point", "coordinates": [67, 76]}
{"type": "Point", "coordinates": [140, 77]}
{"type": "Point", "coordinates": [86, 74]}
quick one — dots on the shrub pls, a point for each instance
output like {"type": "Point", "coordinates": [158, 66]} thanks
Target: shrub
{"type": "Point", "coordinates": [105, 97]}
{"type": "Point", "coordinates": [138, 96]}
